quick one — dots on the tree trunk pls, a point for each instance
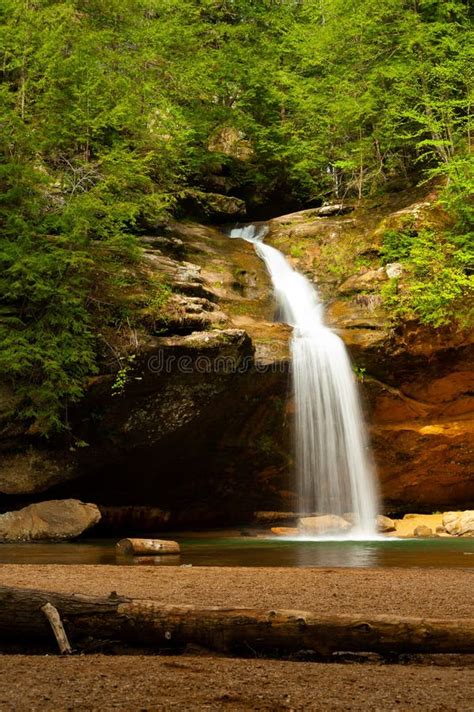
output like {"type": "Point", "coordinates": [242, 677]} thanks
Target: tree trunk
{"type": "Point", "coordinates": [267, 632]}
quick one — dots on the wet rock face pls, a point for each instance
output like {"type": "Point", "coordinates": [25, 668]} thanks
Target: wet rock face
{"type": "Point", "coordinates": [423, 433]}
{"type": "Point", "coordinates": [207, 447]}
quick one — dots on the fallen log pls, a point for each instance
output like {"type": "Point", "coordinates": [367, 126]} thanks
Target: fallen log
{"type": "Point", "coordinates": [150, 547]}
{"type": "Point", "coordinates": [228, 630]}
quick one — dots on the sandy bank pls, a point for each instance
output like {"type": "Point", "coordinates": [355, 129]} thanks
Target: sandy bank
{"type": "Point", "coordinates": [408, 592]}
{"type": "Point", "coordinates": [203, 682]}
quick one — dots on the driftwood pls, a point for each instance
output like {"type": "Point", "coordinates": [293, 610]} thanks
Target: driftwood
{"type": "Point", "coordinates": [268, 632]}
{"type": "Point", "coordinates": [52, 615]}
{"type": "Point", "coordinates": [150, 547]}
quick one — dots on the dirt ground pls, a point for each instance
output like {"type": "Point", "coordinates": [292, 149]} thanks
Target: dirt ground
{"type": "Point", "coordinates": [406, 592]}
{"type": "Point", "coordinates": [205, 682]}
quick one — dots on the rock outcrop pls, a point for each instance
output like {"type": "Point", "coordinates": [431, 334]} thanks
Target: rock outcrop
{"type": "Point", "coordinates": [31, 471]}
{"type": "Point", "coordinates": [199, 423]}
{"type": "Point", "coordinates": [459, 523]}
{"type": "Point", "coordinates": [54, 520]}
{"type": "Point", "coordinates": [212, 206]}
{"type": "Point", "coordinates": [417, 382]}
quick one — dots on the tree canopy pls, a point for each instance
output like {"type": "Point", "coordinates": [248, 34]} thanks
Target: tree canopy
{"type": "Point", "coordinates": [112, 109]}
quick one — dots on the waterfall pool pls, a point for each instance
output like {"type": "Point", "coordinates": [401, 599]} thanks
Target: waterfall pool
{"type": "Point", "coordinates": [224, 549]}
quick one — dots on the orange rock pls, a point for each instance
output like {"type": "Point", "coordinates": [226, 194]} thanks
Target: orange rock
{"type": "Point", "coordinates": [425, 464]}
{"type": "Point", "coordinates": [284, 531]}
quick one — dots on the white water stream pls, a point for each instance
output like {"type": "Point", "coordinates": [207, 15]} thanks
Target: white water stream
{"type": "Point", "coordinates": [334, 469]}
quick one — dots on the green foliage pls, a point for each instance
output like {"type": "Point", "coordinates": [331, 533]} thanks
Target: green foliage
{"type": "Point", "coordinates": [77, 175]}
{"type": "Point", "coordinates": [438, 282]}
{"type": "Point", "coordinates": [439, 262]}
{"type": "Point", "coordinates": [360, 372]}
{"type": "Point", "coordinates": [266, 445]}
{"type": "Point", "coordinates": [159, 295]}
{"type": "Point", "coordinates": [397, 244]}
{"type": "Point", "coordinates": [123, 375]}
{"type": "Point", "coordinates": [110, 111]}
{"type": "Point", "coordinates": [297, 251]}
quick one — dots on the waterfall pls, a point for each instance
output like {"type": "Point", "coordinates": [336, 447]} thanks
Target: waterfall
{"type": "Point", "coordinates": [334, 471]}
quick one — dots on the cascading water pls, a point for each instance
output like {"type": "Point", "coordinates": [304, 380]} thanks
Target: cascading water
{"type": "Point", "coordinates": [334, 469]}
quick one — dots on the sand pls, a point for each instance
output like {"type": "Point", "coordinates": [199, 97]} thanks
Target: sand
{"type": "Point", "coordinates": [207, 682]}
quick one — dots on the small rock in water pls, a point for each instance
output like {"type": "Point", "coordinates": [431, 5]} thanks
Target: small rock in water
{"type": "Point", "coordinates": [285, 531]}
{"type": "Point", "coordinates": [323, 524]}
{"type": "Point", "coordinates": [385, 524]}
{"type": "Point", "coordinates": [423, 531]}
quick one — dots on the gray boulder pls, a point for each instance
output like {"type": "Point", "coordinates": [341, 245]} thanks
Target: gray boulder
{"type": "Point", "coordinates": [54, 520]}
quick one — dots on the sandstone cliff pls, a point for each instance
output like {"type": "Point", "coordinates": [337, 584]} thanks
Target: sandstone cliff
{"type": "Point", "coordinates": [194, 414]}
{"type": "Point", "coordinates": [417, 382]}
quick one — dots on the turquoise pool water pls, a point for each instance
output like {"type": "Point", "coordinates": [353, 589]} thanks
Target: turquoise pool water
{"type": "Point", "coordinates": [213, 549]}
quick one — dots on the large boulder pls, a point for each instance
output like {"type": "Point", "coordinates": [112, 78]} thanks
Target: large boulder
{"type": "Point", "coordinates": [231, 142]}
{"type": "Point", "coordinates": [459, 523]}
{"type": "Point", "coordinates": [53, 520]}
{"type": "Point", "coordinates": [323, 524]}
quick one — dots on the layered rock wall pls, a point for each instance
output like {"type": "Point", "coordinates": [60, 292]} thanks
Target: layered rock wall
{"type": "Point", "coordinates": [201, 426]}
